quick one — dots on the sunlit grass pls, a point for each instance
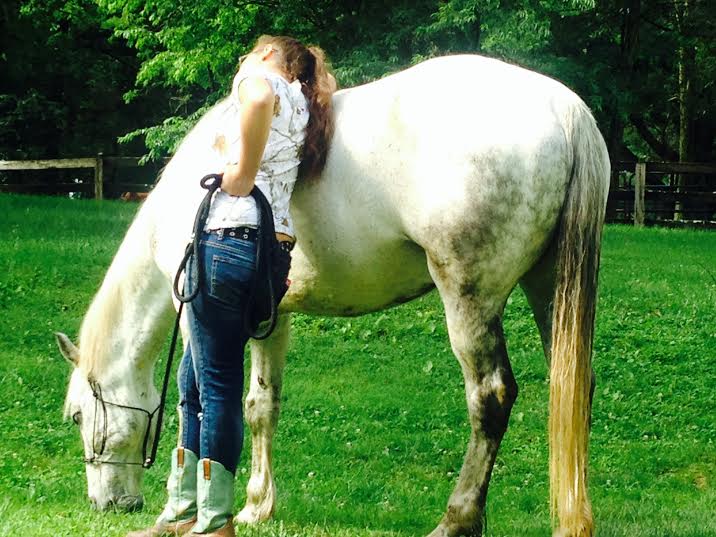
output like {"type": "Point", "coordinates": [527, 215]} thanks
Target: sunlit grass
{"type": "Point", "coordinates": [373, 424]}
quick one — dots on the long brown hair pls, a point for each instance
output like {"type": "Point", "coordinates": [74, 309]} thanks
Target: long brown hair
{"type": "Point", "coordinates": [308, 64]}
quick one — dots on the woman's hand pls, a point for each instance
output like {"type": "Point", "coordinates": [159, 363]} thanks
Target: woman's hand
{"type": "Point", "coordinates": [232, 183]}
{"type": "Point", "coordinates": [257, 102]}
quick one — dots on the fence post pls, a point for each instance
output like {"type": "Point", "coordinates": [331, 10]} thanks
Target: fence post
{"type": "Point", "coordinates": [639, 189]}
{"type": "Point", "coordinates": [99, 177]}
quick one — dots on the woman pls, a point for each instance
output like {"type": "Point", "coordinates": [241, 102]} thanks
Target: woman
{"type": "Point", "coordinates": [278, 119]}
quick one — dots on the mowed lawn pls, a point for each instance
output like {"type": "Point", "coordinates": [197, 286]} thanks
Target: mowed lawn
{"type": "Point", "coordinates": [373, 424]}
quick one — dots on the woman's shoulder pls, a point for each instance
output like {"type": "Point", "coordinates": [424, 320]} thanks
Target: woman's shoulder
{"type": "Point", "coordinates": [286, 89]}
{"type": "Point", "coordinates": [290, 102]}
{"type": "Point", "coordinates": [291, 107]}
{"type": "Point", "coordinates": [277, 82]}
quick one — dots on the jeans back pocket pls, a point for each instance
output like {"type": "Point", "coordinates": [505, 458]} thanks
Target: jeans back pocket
{"type": "Point", "coordinates": [231, 273]}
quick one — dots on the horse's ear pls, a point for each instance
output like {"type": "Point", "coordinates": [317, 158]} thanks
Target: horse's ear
{"type": "Point", "coordinates": [67, 348]}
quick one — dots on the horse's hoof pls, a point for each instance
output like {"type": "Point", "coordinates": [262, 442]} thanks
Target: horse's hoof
{"type": "Point", "coordinates": [246, 516]}
{"type": "Point", "coordinates": [444, 530]}
{"type": "Point", "coordinates": [440, 531]}
{"type": "Point", "coordinates": [560, 532]}
{"type": "Point", "coordinates": [252, 515]}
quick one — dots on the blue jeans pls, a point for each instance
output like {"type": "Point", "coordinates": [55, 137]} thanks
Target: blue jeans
{"type": "Point", "coordinates": [211, 373]}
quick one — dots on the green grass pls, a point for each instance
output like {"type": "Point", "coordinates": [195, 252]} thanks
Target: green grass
{"type": "Point", "coordinates": [373, 425]}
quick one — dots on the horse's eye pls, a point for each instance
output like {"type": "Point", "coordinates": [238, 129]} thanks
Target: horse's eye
{"type": "Point", "coordinates": [77, 418]}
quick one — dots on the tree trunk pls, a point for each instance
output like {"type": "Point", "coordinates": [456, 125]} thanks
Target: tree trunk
{"type": "Point", "coordinates": [686, 64]}
{"type": "Point", "coordinates": [627, 58]}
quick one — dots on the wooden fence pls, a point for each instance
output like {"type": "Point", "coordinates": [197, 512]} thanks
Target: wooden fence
{"type": "Point", "coordinates": [665, 193]}
{"type": "Point", "coordinates": [106, 173]}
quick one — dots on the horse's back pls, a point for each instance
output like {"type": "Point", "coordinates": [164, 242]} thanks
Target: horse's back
{"type": "Point", "coordinates": [458, 156]}
{"type": "Point", "coordinates": [427, 134]}
{"type": "Point", "coordinates": [466, 156]}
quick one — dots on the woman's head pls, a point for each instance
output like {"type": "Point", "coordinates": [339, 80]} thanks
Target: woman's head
{"type": "Point", "coordinates": [307, 64]}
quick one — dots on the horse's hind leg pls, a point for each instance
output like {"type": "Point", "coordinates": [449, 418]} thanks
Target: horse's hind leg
{"type": "Point", "coordinates": [268, 358]}
{"type": "Point", "coordinates": [474, 322]}
{"type": "Point", "coordinates": [538, 285]}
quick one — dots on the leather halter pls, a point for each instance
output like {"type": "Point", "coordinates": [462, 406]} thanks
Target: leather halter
{"type": "Point", "coordinates": [101, 405]}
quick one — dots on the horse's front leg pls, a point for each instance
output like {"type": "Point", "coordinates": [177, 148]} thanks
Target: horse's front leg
{"type": "Point", "coordinates": [263, 401]}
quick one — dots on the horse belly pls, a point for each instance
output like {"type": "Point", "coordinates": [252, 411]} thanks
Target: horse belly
{"type": "Point", "coordinates": [351, 277]}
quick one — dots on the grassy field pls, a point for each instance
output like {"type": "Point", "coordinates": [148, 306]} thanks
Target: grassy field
{"type": "Point", "coordinates": [373, 425]}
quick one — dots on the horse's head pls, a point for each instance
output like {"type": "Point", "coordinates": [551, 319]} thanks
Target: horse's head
{"type": "Point", "coordinates": [116, 418]}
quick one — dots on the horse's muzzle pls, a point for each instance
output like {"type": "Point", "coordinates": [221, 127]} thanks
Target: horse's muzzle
{"type": "Point", "coordinates": [124, 504]}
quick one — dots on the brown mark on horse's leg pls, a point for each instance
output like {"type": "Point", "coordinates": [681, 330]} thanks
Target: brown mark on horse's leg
{"type": "Point", "coordinates": [475, 328]}
{"type": "Point", "coordinates": [263, 401]}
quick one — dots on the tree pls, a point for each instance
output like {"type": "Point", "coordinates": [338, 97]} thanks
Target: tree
{"type": "Point", "coordinates": [63, 81]}
{"type": "Point", "coordinates": [645, 68]}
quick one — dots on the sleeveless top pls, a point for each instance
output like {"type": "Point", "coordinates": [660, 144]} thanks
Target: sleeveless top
{"type": "Point", "coordinates": [278, 170]}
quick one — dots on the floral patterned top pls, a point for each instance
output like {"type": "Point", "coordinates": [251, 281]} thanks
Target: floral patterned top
{"type": "Point", "coordinates": [279, 166]}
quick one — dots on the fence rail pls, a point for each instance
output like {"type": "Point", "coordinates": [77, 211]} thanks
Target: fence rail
{"type": "Point", "coordinates": [667, 193]}
{"type": "Point", "coordinates": [96, 187]}
{"type": "Point", "coordinates": [664, 193]}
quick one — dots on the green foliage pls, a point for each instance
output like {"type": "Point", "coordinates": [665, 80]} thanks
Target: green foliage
{"type": "Point", "coordinates": [373, 425]}
{"type": "Point", "coordinates": [165, 138]}
{"type": "Point", "coordinates": [580, 42]}
{"type": "Point", "coordinates": [63, 79]}
{"type": "Point", "coordinates": [170, 59]}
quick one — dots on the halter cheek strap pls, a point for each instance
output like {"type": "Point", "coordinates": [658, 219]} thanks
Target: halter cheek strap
{"type": "Point", "coordinates": [101, 406]}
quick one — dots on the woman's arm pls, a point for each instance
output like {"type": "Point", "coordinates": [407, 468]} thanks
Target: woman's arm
{"type": "Point", "coordinates": [257, 101]}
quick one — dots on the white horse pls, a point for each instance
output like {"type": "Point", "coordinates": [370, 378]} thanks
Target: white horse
{"type": "Point", "coordinates": [463, 173]}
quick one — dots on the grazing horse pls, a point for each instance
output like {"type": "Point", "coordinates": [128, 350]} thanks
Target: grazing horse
{"type": "Point", "coordinates": [462, 173]}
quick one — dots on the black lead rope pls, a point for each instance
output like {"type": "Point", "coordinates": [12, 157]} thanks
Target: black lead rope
{"type": "Point", "coordinates": [211, 183]}
{"type": "Point", "coordinates": [264, 243]}
{"type": "Point", "coordinates": [149, 461]}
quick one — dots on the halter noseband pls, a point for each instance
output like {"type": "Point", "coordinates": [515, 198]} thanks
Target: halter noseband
{"type": "Point", "coordinates": [96, 454]}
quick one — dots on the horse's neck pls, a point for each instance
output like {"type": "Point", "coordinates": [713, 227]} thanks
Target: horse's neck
{"type": "Point", "coordinates": [127, 321]}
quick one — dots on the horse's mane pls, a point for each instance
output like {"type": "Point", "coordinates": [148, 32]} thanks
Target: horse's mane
{"type": "Point", "coordinates": [96, 331]}
{"type": "Point", "coordinates": [97, 326]}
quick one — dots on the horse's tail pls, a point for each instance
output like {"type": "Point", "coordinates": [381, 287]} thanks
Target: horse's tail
{"type": "Point", "coordinates": [574, 304]}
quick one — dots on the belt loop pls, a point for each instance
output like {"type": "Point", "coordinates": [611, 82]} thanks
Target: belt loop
{"type": "Point", "coordinates": [220, 233]}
